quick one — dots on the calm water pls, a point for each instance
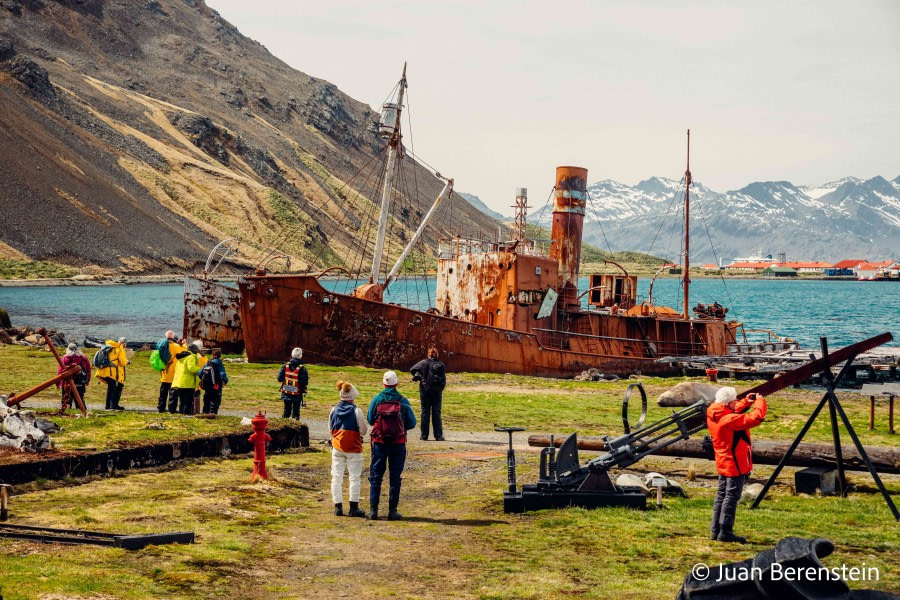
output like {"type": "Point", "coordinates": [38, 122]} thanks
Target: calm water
{"type": "Point", "coordinates": [844, 311]}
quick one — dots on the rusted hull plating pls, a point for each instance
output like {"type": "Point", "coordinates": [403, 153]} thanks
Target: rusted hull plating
{"type": "Point", "coordinates": [280, 312]}
{"type": "Point", "coordinates": [212, 314]}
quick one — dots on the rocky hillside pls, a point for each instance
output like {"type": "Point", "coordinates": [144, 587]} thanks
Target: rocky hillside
{"type": "Point", "coordinates": [135, 135]}
{"type": "Point", "coordinates": [849, 218]}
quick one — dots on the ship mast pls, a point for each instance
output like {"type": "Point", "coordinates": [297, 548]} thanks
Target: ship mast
{"type": "Point", "coordinates": [394, 148]}
{"type": "Point", "coordinates": [687, 227]}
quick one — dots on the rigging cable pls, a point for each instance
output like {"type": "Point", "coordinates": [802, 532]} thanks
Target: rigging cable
{"type": "Point", "coordinates": [715, 255]}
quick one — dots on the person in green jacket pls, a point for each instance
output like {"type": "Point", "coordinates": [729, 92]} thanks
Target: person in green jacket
{"type": "Point", "coordinates": [186, 379]}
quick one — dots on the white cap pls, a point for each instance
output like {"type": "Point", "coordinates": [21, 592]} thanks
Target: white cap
{"type": "Point", "coordinates": [390, 378]}
{"type": "Point", "coordinates": [170, 335]}
{"type": "Point", "coordinates": [198, 345]}
{"type": "Point", "coordinates": [725, 395]}
{"type": "Point", "coordinates": [297, 353]}
{"type": "Point", "coordinates": [122, 340]}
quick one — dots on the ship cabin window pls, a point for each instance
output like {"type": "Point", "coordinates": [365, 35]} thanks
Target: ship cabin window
{"type": "Point", "coordinates": [469, 267]}
{"type": "Point", "coordinates": [537, 270]}
{"type": "Point", "coordinates": [450, 270]}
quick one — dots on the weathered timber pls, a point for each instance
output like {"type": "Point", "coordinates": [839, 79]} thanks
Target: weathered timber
{"type": "Point", "coordinates": [885, 458]}
{"type": "Point", "coordinates": [153, 455]}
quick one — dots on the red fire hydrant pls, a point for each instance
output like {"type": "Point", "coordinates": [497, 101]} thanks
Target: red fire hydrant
{"type": "Point", "coordinates": [259, 439]}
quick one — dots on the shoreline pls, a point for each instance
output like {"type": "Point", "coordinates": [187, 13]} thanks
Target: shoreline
{"type": "Point", "coordinates": [179, 278]}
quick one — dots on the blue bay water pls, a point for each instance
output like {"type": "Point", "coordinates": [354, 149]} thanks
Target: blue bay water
{"type": "Point", "coordinates": [844, 311]}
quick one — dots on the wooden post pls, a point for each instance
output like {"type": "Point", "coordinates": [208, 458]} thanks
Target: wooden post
{"type": "Point", "coordinates": [871, 413]}
{"type": "Point", "coordinates": [4, 500]}
{"type": "Point", "coordinates": [891, 414]}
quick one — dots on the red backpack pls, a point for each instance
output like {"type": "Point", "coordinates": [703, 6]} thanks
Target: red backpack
{"type": "Point", "coordinates": [388, 428]}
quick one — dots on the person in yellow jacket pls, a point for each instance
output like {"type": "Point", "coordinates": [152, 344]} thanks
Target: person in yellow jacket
{"type": "Point", "coordinates": [113, 373]}
{"type": "Point", "coordinates": [185, 382]}
{"type": "Point", "coordinates": [167, 375]}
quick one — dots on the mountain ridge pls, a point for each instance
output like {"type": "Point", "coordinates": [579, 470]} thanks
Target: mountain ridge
{"type": "Point", "coordinates": [850, 216]}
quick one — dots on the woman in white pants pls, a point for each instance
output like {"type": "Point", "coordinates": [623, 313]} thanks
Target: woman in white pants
{"type": "Point", "coordinates": [348, 426]}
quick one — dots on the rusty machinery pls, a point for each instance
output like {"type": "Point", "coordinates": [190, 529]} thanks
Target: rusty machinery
{"type": "Point", "coordinates": [564, 481]}
{"type": "Point", "coordinates": [66, 377]}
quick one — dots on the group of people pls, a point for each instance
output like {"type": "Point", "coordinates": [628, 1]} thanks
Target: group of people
{"type": "Point", "coordinates": [388, 419]}
{"type": "Point", "coordinates": [186, 373]}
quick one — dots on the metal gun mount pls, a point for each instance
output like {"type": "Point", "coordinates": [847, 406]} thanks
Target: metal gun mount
{"type": "Point", "coordinates": [564, 481]}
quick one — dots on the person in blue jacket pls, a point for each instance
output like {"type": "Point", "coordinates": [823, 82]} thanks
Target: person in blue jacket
{"type": "Point", "coordinates": [390, 416]}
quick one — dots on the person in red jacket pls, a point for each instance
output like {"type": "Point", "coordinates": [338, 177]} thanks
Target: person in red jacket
{"type": "Point", "coordinates": [729, 427]}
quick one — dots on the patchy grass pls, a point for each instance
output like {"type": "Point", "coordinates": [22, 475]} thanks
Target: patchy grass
{"type": "Point", "coordinates": [472, 401]}
{"type": "Point", "coordinates": [280, 538]}
{"type": "Point", "coordinates": [34, 269]}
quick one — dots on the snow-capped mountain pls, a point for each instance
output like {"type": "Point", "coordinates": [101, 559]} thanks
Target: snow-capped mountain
{"type": "Point", "coordinates": [849, 217]}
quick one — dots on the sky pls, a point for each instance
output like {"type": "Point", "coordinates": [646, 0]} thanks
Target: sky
{"type": "Point", "coordinates": [500, 93]}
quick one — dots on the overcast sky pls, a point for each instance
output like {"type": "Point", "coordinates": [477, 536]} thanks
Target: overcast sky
{"type": "Point", "coordinates": [502, 92]}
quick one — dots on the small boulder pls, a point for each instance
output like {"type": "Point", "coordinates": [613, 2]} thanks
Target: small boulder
{"type": "Point", "coordinates": [5, 323]}
{"type": "Point", "coordinates": [671, 487]}
{"type": "Point", "coordinates": [751, 492]}
{"type": "Point", "coordinates": [631, 480]}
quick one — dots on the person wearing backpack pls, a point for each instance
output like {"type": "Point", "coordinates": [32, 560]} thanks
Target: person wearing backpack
{"type": "Point", "coordinates": [294, 380]}
{"type": "Point", "coordinates": [111, 361]}
{"type": "Point", "coordinates": [432, 377]}
{"type": "Point", "coordinates": [185, 381]}
{"type": "Point", "coordinates": [348, 426]}
{"type": "Point", "coordinates": [212, 379]}
{"type": "Point", "coordinates": [74, 356]}
{"type": "Point", "coordinates": [390, 416]}
{"type": "Point", "coordinates": [169, 346]}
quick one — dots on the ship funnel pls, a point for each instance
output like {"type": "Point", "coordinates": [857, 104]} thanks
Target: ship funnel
{"type": "Point", "coordinates": [569, 200]}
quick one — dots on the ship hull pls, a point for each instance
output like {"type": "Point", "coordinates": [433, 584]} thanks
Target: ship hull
{"type": "Point", "coordinates": [281, 312]}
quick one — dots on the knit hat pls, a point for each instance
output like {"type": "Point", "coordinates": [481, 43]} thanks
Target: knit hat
{"type": "Point", "coordinates": [725, 395]}
{"type": "Point", "coordinates": [73, 348]}
{"type": "Point", "coordinates": [348, 392]}
{"type": "Point", "coordinates": [390, 379]}
{"type": "Point", "coordinates": [297, 353]}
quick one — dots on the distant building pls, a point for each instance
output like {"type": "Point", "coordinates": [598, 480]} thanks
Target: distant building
{"type": "Point", "coordinates": [711, 267]}
{"type": "Point", "coordinates": [776, 271]}
{"type": "Point", "coordinates": [849, 264]}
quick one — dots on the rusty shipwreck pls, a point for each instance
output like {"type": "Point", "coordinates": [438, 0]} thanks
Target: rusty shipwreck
{"type": "Point", "coordinates": [510, 306]}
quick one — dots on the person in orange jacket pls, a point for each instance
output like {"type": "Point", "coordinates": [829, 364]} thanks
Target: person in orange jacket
{"type": "Point", "coordinates": [729, 427]}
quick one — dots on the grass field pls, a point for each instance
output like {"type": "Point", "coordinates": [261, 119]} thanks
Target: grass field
{"type": "Point", "coordinates": [279, 539]}
{"type": "Point", "coordinates": [472, 401]}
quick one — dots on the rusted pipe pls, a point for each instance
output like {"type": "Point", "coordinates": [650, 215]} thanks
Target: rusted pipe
{"type": "Point", "coordinates": [570, 197]}
{"type": "Point", "coordinates": [886, 459]}
{"type": "Point", "coordinates": [68, 382]}
{"type": "Point", "coordinates": [15, 399]}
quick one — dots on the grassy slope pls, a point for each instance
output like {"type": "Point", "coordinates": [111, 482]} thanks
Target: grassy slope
{"type": "Point", "coordinates": [34, 269]}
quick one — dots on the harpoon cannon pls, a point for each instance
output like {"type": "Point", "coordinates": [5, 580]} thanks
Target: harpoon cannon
{"type": "Point", "coordinates": [564, 481]}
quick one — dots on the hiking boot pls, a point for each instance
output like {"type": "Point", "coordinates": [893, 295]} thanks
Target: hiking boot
{"type": "Point", "coordinates": [728, 536]}
{"type": "Point", "coordinates": [423, 438]}
{"type": "Point", "coordinates": [714, 535]}
{"type": "Point", "coordinates": [117, 407]}
{"type": "Point", "coordinates": [355, 511]}
{"type": "Point", "coordinates": [439, 439]}
{"type": "Point", "coordinates": [339, 510]}
{"type": "Point", "coordinates": [394, 516]}
{"type": "Point", "coordinates": [373, 516]}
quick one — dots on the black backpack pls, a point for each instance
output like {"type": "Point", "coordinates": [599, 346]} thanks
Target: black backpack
{"type": "Point", "coordinates": [102, 359]}
{"type": "Point", "coordinates": [208, 378]}
{"type": "Point", "coordinates": [436, 379]}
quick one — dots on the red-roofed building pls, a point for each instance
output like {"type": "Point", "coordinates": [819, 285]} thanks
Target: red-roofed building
{"type": "Point", "coordinates": [850, 263]}
{"type": "Point", "coordinates": [710, 267]}
{"type": "Point", "coordinates": [870, 270]}
{"type": "Point", "coordinates": [751, 267]}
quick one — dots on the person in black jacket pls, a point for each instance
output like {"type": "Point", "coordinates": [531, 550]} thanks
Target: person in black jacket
{"type": "Point", "coordinates": [432, 377]}
{"type": "Point", "coordinates": [294, 380]}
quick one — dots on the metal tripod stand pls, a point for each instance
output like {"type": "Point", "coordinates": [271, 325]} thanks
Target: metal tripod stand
{"type": "Point", "coordinates": [834, 409]}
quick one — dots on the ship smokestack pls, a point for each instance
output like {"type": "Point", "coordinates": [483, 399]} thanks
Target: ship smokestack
{"type": "Point", "coordinates": [568, 221]}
